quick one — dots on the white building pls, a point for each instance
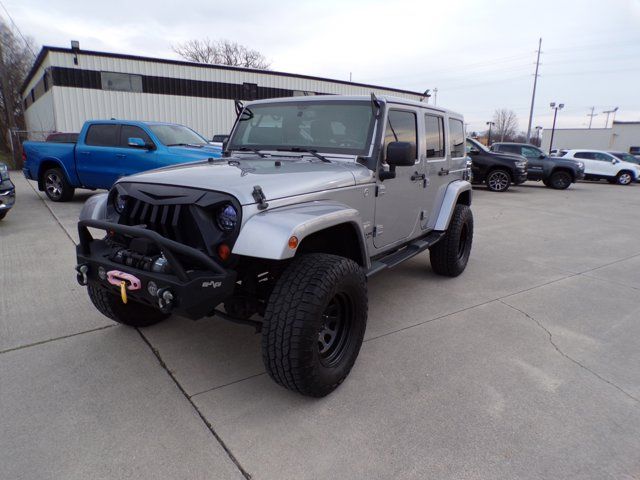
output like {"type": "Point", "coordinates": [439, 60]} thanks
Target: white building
{"type": "Point", "coordinates": [621, 136]}
{"type": "Point", "coordinates": [68, 86]}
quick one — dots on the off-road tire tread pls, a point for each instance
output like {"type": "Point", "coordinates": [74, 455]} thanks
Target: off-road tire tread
{"type": "Point", "coordinates": [296, 301]}
{"type": "Point", "coordinates": [133, 314]}
{"type": "Point", "coordinates": [444, 254]}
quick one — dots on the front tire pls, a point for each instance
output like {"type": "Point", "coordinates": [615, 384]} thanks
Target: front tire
{"type": "Point", "coordinates": [56, 185]}
{"type": "Point", "coordinates": [624, 178]}
{"type": "Point", "coordinates": [133, 314]}
{"type": "Point", "coordinates": [449, 257]}
{"type": "Point", "coordinates": [559, 181]}
{"type": "Point", "coordinates": [314, 323]}
{"type": "Point", "coordinates": [498, 180]}
{"type": "Point", "coordinates": [3, 214]}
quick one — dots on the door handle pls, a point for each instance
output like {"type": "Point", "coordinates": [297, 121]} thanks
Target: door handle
{"type": "Point", "coordinates": [443, 172]}
{"type": "Point", "coordinates": [418, 176]}
{"type": "Point", "coordinates": [121, 155]}
{"type": "Point", "coordinates": [86, 153]}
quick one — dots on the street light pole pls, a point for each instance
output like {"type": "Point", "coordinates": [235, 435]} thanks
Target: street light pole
{"type": "Point", "coordinates": [489, 139]}
{"type": "Point", "coordinates": [553, 128]}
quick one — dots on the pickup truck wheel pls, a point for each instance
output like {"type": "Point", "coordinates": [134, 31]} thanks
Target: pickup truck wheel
{"type": "Point", "coordinates": [498, 180]}
{"type": "Point", "coordinates": [133, 314]}
{"type": "Point", "coordinates": [624, 178]}
{"type": "Point", "coordinates": [559, 181]}
{"type": "Point", "coordinates": [56, 186]}
{"type": "Point", "coordinates": [3, 214]}
{"type": "Point", "coordinates": [314, 323]}
{"type": "Point", "coordinates": [450, 255]}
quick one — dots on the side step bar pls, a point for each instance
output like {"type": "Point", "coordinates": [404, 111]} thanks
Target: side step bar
{"type": "Point", "coordinates": [405, 253]}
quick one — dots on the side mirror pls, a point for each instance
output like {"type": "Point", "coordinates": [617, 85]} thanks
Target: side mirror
{"type": "Point", "coordinates": [137, 143]}
{"type": "Point", "coordinates": [541, 156]}
{"type": "Point", "coordinates": [615, 160]}
{"type": "Point", "coordinates": [401, 154]}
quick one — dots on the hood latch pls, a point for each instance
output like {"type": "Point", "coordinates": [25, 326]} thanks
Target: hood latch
{"type": "Point", "coordinates": [258, 196]}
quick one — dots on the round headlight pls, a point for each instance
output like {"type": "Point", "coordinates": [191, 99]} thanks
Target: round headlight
{"type": "Point", "coordinates": [119, 202]}
{"type": "Point", "coordinates": [227, 217]}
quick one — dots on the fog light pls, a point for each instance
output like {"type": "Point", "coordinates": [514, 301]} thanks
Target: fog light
{"type": "Point", "coordinates": [152, 288]}
{"type": "Point", "coordinates": [102, 273]}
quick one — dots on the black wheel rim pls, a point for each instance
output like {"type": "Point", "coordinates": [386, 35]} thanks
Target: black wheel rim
{"type": "Point", "coordinates": [462, 243]}
{"type": "Point", "coordinates": [561, 181]}
{"type": "Point", "coordinates": [337, 321]}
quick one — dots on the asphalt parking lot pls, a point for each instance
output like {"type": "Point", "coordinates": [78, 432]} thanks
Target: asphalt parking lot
{"type": "Point", "coordinates": [526, 366]}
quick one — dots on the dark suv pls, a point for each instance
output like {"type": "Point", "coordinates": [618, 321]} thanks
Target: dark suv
{"type": "Point", "coordinates": [555, 172]}
{"type": "Point", "coordinates": [497, 170]}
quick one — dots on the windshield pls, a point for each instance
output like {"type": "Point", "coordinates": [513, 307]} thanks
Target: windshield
{"type": "Point", "coordinates": [176, 135]}
{"type": "Point", "coordinates": [474, 144]}
{"type": "Point", "coordinates": [626, 157]}
{"type": "Point", "coordinates": [324, 126]}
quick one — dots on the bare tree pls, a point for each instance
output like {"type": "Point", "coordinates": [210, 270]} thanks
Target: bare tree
{"type": "Point", "coordinates": [221, 52]}
{"type": "Point", "coordinates": [16, 58]}
{"type": "Point", "coordinates": [506, 124]}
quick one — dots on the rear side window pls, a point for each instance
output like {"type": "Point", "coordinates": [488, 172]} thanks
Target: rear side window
{"type": "Point", "coordinates": [401, 127]}
{"type": "Point", "coordinates": [585, 155]}
{"type": "Point", "coordinates": [434, 133]}
{"type": "Point", "coordinates": [456, 138]}
{"type": "Point", "coordinates": [508, 148]}
{"type": "Point", "coordinates": [102, 135]}
{"type": "Point", "coordinates": [131, 131]}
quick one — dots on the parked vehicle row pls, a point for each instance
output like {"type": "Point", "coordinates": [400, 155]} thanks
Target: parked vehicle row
{"type": "Point", "coordinates": [7, 191]}
{"type": "Point", "coordinates": [601, 165]}
{"type": "Point", "coordinates": [508, 164]}
{"type": "Point", "coordinates": [106, 150]}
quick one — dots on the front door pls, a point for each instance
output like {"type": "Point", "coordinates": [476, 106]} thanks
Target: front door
{"type": "Point", "coordinates": [400, 200]}
{"type": "Point", "coordinates": [535, 164]}
{"type": "Point", "coordinates": [129, 160]}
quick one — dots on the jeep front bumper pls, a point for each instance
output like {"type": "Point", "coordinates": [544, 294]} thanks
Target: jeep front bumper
{"type": "Point", "coordinates": [194, 293]}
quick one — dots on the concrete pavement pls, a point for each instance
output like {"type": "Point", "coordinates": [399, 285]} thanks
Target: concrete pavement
{"type": "Point", "coordinates": [526, 366]}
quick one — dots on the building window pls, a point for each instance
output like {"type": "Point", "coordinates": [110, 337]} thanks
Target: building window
{"type": "Point", "coordinates": [250, 91]}
{"type": "Point", "coordinates": [121, 82]}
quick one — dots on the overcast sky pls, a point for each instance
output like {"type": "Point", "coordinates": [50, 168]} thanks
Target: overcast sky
{"type": "Point", "coordinates": [479, 54]}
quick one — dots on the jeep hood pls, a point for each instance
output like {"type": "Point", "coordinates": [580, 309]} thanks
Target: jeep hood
{"type": "Point", "coordinates": [278, 177]}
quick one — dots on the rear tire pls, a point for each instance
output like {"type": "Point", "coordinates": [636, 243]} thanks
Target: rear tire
{"type": "Point", "coordinates": [133, 314]}
{"type": "Point", "coordinates": [624, 178]}
{"type": "Point", "coordinates": [3, 214]}
{"type": "Point", "coordinates": [559, 180]}
{"type": "Point", "coordinates": [450, 255]}
{"type": "Point", "coordinates": [314, 323]}
{"type": "Point", "coordinates": [498, 180]}
{"type": "Point", "coordinates": [56, 185]}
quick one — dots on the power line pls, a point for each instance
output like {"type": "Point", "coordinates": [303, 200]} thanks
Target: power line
{"type": "Point", "coordinates": [26, 43]}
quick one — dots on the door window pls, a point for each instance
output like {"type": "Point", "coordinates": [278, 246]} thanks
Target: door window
{"type": "Point", "coordinates": [131, 131]}
{"type": "Point", "coordinates": [531, 152]}
{"type": "Point", "coordinates": [434, 133]}
{"type": "Point", "coordinates": [602, 157]}
{"type": "Point", "coordinates": [401, 127]}
{"type": "Point", "coordinates": [456, 138]}
{"type": "Point", "coordinates": [103, 135]}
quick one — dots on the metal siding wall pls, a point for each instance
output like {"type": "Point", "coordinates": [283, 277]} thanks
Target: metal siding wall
{"type": "Point", "coordinates": [39, 116]}
{"type": "Point", "coordinates": [73, 106]}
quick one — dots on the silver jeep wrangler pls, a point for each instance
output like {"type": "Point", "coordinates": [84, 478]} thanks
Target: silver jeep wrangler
{"type": "Point", "coordinates": [312, 196]}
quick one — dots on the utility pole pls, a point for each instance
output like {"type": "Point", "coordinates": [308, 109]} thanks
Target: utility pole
{"type": "Point", "coordinates": [613, 110]}
{"type": "Point", "coordinates": [533, 95]}
{"type": "Point", "coordinates": [349, 76]}
{"type": "Point", "coordinates": [591, 115]}
{"type": "Point", "coordinates": [435, 96]}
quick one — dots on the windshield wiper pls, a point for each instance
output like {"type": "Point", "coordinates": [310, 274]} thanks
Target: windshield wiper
{"type": "Point", "coordinates": [305, 150]}
{"type": "Point", "coordinates": [249, 149]}
{"type": "Point", "coordinates": [198, 145]}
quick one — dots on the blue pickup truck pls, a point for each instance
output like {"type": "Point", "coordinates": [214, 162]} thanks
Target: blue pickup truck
{"type": "Point", "coordinates": [107, 150]}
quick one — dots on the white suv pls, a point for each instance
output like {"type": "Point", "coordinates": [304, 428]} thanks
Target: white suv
{"type": "Point", "coordinates": [599, 164]}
